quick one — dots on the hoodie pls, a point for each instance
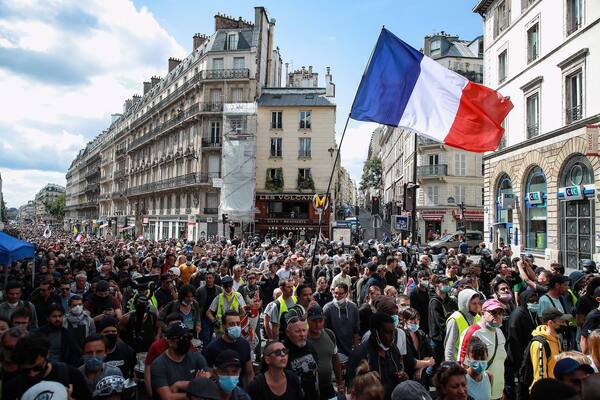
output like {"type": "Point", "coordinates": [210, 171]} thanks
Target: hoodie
{"type": "Point", "coordinates": [548, 361]}
{"type": "Point", "coordinates": [520, 325]}
{"type": "Point", "coordinates": [452, 330]}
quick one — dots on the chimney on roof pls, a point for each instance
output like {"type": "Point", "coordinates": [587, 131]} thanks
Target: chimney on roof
{"type": "Point", "coordinates": [127, 105]}
{"type": "Point", "coordinates": [199, 40]}
{"type": "Point", "coordinates": [147, 87]}
{"type": "Point", "coordinates": [287, 75]}
{"type": "Point", "coordinates": [310, 69]}
{"type": "Point", "coordinates": [329, 85]}
{"type": "Point", "coordinates": [154, 80]}
{"type": "Point", "coordinates": [173, 62]}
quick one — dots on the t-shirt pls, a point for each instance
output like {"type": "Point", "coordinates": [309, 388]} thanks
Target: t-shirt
{"type": "Point", "coordinates": [274, 315]}
{"type": "Point", "coordinates": [592, 322]}
{"type": "Point", "coordinates": [107, 370]}
{"type": "Point", "coordinates": [326, 349]}
{"type": "Point", "coordinates": [400, 340]}
{"type": "Point", "coordinates": [546, 302]}
{"type": "Point", "coordinates": [227, 304]}
{"type": "Point", "coordinates": [217, 346]}
{"type": "Point", "coordinates": [258, 389]}
{"type": "Point", "coordinates": [166, 372]}
{"type": "Point", "coordinates": [157, 348]}
{"type": "Point", "coordinates": [123, 358]}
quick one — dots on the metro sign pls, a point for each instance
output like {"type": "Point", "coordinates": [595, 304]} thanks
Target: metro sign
{"type": "Point", "coordinates": [320, 202]}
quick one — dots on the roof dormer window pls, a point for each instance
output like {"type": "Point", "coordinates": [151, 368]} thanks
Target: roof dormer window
{"type": "Point", "coordinates": [232, 41]}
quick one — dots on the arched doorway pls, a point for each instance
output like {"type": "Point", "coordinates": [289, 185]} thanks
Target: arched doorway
{"type": "Point", "coordinates": [504, 211]}
{"type": "Point", "coordinates": [576, 211]}
{"type": "Point", "coordinates": [535, 214]}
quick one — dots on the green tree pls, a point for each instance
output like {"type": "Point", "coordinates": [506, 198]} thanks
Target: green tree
{"type": "Point", "coordinates": [371, 177]}
{"type": "Point", "coordinates": [56, 208]}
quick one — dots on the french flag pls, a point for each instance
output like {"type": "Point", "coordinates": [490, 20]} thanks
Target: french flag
{"type": "Point", "coordinates": [402, 87]}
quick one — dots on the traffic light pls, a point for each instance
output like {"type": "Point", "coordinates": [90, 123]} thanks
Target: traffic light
{"type": "Point", "coordinates": [375, 205]}
{"type": "Point", "coordinates": [225, 218]}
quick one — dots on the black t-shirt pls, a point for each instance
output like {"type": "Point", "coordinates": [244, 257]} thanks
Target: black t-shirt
{"type": "Point", "coordinates": [260, 390]}
{"type": "Point", "coordinates": [123, 358]}
{"type": "Point", "coordinates": [217, 346]}
{"type": "Point", "coordinates": [592, 322]}
{"type": "Point", "coordinates": [304, 362]}
{"type": "Point", "coordinates": [61, 373]}
{"type": "Point", "coordinates": [419, 300]}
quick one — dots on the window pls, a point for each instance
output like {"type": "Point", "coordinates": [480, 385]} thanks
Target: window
{"type": "Point", "coordinates": [526, 3]}
{"type": "Point", "coordinates": [304, 173]}
{"type": "Point", "coordinates": [535, 204]}
{"type": "Point", "coordinates": [460, 164]}
{"type": "Point", "coordinates": [232, 41]}
{"type": "Point", "coordinates": [574, 15]}
{"type": "Point", "coordinates": [215, 131]}
{"type": "Point", "coordinates": [533, 115]}
{"type": "Point", "coordinates": [275, 147]}
{"type": "Point", "coordinates": [504, 139]}
{"type": "Point", "coordinates": [237, 124]}
{"type": "Point", "coordinates": [501, 17]}
{"type": "Point", "coordinates": [237, 95]}
{"type": "Point", "coordinates": [304, 147]}
{"type": "Point", "coordinates": [276, 119]}
{"type": "Point", "coordinates": [215, 96]}
{"type": "Point", "coordinates": [218, 63]}
{"type": "Point", "coordinates": [502, 64]}
{"type": "Point", "coordinates": [574, 96]}
{"type": "Point", "coordinates": [304, 119]}
{"type": "Point", "coordinates": [239, 63]}
{"type": "Point", "coordinates": [459, 194]}
{"type": "Point", "coordinates": [533, 43]}
{"type": "Point", "coordinates": [434, 159]}
{"type": "Point", "coordinates": [433, 195]}
{"type": "Point", "coordinates": [435, 47]}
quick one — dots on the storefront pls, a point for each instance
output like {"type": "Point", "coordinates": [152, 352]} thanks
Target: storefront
{"type": "Point", "coordinates": [282, 213]}
{"type": "Point", "coordinates": [504, 212]}
{"type": "Point", "coordinates": [535, 224]}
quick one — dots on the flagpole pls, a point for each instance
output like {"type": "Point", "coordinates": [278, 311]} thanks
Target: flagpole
{"type": "Point", "coordinates": [337, 154]}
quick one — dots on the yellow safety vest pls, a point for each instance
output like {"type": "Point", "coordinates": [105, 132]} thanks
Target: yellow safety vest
{"type": "Point", "coordinates": [462, 324]}
{"type": "Point", "coordinates": [283, 307]}
{"type": "Point", "coordinates": [235, 305]}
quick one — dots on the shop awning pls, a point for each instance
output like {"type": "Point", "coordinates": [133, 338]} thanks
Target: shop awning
{"type": "Point", "coordinates": [470, 215]}
{"type": "Point", "coordinates": [433, 217]}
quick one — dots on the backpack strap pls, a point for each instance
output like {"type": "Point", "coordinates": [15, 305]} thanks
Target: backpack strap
{"type": "Point", "coordinates": [544, 349]}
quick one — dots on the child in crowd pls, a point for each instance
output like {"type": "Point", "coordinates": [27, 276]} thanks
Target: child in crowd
{"type": "Point", "coordinates": [479, 381]}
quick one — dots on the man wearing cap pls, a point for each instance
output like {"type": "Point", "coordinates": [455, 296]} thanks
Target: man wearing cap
{"type": "Point", "coordinates": [572, 372]}
{"type": "Point", "coordinates": [165, 293]}
{"type": "Point", "coordinates": [173, 370]}
{"type": "Point", "coordinates": [203, 389]}
{"type": "Point", "coordinates": [488, 330]}
{"type": "Point", "coordinates": [228, 368]}
{"type": "Point", "coordinates": [592, 322]}
{"type": "Point", "coordinates": [553, 323]}
{"type": "Point", "coordinates": [303, 359]}
{"type": "Point", "coordinates": [228, 300]}
{"type": "Point", "coordinates": [324, 342]}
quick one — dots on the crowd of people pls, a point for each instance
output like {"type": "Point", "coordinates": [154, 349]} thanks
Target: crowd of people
{"type": "Point", "coordinates": [269, 318]}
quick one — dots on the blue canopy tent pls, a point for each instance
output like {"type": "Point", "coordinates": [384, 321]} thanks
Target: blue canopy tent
{"type": "Point", "coordinates": [13, 249]}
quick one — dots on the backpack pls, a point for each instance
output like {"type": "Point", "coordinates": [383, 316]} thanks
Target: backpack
{"type": "Point", "coordinates": [526, 369]}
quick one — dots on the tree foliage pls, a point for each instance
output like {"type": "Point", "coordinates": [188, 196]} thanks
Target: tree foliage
{"type": "Point", "coordinates": [56, 208]}
{"type": "Point", "coordinates": [371, 177]}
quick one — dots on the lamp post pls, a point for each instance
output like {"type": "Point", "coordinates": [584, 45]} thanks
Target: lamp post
{"type": "Point", "coordinates": [461, 207]}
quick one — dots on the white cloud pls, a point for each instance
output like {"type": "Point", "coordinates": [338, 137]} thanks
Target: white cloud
{"type": "Point", "coordinates": [19, 186]}
{"type": "Point", "coordinates": [356, 146]}
{"type": "Point", "coordinates": [68, 65]}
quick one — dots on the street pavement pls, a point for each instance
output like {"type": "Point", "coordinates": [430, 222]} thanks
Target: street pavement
{"type": "Point", "coordinates": [366, 221]}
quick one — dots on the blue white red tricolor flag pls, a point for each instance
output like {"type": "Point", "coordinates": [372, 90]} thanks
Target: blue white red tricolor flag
{"type": "Point", "coordinates": [402, 87]}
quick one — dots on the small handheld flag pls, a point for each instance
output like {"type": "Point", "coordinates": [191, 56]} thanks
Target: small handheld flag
{"type": "Point", "coordinates": [402, 87]}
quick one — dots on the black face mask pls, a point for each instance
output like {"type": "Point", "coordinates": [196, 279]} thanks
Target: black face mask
{"type": "Point", "coordinates": [111, 340]}
{"type": "Point", "coordinates": [183, 345]}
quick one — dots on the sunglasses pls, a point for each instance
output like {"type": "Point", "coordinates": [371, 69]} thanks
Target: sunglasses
{"type": "Point", "coordinates": [279, 352]}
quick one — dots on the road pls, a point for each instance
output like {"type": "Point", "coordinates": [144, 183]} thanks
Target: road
{"type": "Point", "coordinates": [366, 222]}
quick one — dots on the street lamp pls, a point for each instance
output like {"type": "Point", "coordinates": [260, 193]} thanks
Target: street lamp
{"type": "Point", "coordinates": [331, 150]}
{"type": "Point", "coordinates": [461, 207]}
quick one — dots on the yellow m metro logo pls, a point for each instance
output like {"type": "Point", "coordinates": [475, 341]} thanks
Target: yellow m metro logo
{"type": "Point", "coordinates": [320, 201]}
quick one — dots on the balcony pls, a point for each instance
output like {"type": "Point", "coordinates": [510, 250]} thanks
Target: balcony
{"type": "Point", "coordinates": [211, 143]}
{"type": "Point", "coordinates": [574, 114]}
{"type": "Point", "coordinates": [432, 171]}
{"type": "Point", "coordinates": [120, 151]}
{"type": "Point", "coordinates": [171, 183]}
{"type": "Point", "coordinates": [104, 196]}
{"type": "Point", "coordinates": [207, 177]}
{"type": "Point", "coordinates": [217, 74]}
{"type": "Point", "coordinates": [92, 173]}
{"type": "Point", "coordinates": [209, 210]}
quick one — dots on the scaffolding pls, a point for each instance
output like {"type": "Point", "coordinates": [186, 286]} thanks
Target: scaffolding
{"type": "Point", "coordinates": [238, 162]}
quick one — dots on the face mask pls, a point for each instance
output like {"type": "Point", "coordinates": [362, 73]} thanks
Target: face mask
{"type": "Point", "coordinates": [381, 346]}
{"type": "Point", "coordinates": [561, 330]}
{"type": "Point", "coordinates": [93, 363]}
{"type": "Point", "coordinates": [424, 284]}
{"type": "Point", "coordinates": [446, 289]}
{"type": "Point", "coordinates": [185, 303]}
{"type": "Point", "coordinates": [77, 310]}
{"type": "Point", "coordinates": [13, 305]}
{"type": "Point", "coordinates": [341, 302]}
{"type": "Point", "coordinates": [492, 326]}
{"type": "Point", "coordinates": [111, 340]}
{"type": "Point", "coordinates": [478, 365]}
{"type": "Point", "coordinates": [533, 307]}
{"type": "Point", "coordinates": [183, 345]}
{"type": "Point", "coordinates": [505, 298]}
{"type": "Point", "coordinates": [413, 327]}
{"type": "Point", "coordinates": [396, 320]}
{"type": "Point", "coordinates": [234, 332]}
{"type": "Point", "coordinates": [228, 383]}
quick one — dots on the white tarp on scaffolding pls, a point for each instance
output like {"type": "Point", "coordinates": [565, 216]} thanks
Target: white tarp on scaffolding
{"type": "Point", "coordinates": [238, 161]}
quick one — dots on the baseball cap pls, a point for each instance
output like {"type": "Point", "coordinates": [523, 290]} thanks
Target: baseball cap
{"type": "Point", "coordinates": [294, 315]}
{"type": "Point", "coordinates": [102, 286]}
{"type": "Point", "coordinates": [315, 313]}
{"type": "Point", "coordinates": [46, 390]}
{"type": "Point", "coordinates": [175, 271]}
{"type": "Point", "coordinates": [569, 365]}
{"type": "Point", "coordinates": [227, 280]}
{"type": "Point", "coordinates": [552, 313]}
{"type": "Point", "coordinates": [105, 322]}
{"type": "Point", "coordinates": [491, 305]}
{"type": "Point", "coordinates": [176, 329]}
{"type": "Point", "coordinates": [204, 388]}
{"type": "Point", "coordinates": [410, 390]}
{"type": "Point", "coordinates": [228, 358]}
{"type": "Point", "coordinates": [109, 385]}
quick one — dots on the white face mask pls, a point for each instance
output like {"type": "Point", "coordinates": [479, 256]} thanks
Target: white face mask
{"type": "Point", "coordinates": [77, 310]}
{"type": "Point", "coordinates": [384, 348]}
{"type": "Point", "coordinates": [340, 302]}
{"type": "Point", "coordinates": [13, 305]}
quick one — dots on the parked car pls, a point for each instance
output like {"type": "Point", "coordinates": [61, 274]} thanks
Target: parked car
{"type": "Point", "coordinates": [452, 240]}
